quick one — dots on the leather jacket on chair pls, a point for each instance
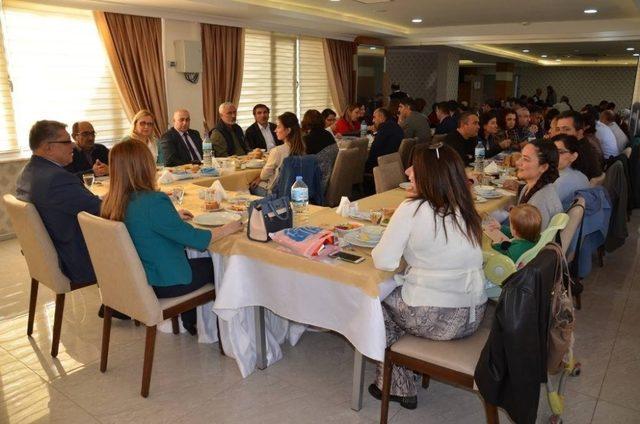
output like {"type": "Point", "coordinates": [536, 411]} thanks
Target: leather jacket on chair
{"type": "Point", "coordinates": [513, 362]}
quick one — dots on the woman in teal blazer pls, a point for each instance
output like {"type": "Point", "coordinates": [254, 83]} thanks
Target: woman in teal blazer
{"type": "Point", "coordinates": [159, 232]}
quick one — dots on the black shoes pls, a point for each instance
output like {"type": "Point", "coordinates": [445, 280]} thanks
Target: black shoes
{"type": "Point", "coordinates": [114, 314]}
{"type": "Point", "coordinates": [407, 402]}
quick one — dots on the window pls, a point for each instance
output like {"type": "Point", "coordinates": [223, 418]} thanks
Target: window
{"type": "Point", "coordinates": [7, 124]}
{"type": "Point", "coordinates": [59, 70]}
{"type": "Point", "coordinates": [284, 72]}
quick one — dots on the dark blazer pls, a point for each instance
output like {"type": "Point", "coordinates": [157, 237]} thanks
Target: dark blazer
{"type": "Point", "coordinates": [448, 124]}
{"type": "Point", "coordinates": [223, 130]}
{"type": "Point", "coordinates": [464, 147]}
{"type": "Point", "coordinates": [254, 138]}
{"type": "Point", "coordinates": [59, 196]}
{"type": "Point", "coordinates": [81, 164]}
{"type": "Point", "coordinates": [386, 141]}
{"type": "Point", "coordinates": [174, 148]}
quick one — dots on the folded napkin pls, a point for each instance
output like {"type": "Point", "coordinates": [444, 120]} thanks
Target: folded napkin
{"type": "Point", "coordinates": [492, 168]}
{"type": "Point", "coordinates": [343, 207]}
{"type": "Point", "coordinates": [221, 193]}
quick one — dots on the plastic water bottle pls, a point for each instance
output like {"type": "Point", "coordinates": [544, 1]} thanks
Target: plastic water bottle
{"type": "Point", "coordinates": [300, 202]}
{"type": "Point", "coordinates": [363, 128]}
{"type": "Point", "coordinates": [479, 156]}
{"type": "Point", "coordinates": [206, 151]}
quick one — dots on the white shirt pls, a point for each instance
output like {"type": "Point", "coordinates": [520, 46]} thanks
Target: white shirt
{"type": "Point", "coordinates": [621, 138]}
{"type": "Point", "coordinates": [193, 145]}
{"type": "Point", "coordinates": [268, 136]}
{"type": "Point", "coordinates": [607, 140]}
{"type": "Point", "coordinates": [444, 271]}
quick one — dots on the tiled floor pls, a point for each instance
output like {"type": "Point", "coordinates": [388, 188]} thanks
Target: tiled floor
{"type": "Point", "coordinates": [193, 383]}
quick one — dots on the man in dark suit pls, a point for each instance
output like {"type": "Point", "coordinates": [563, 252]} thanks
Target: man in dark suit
{"type": "Point", "coordinates": [87, 155]}
{"type": "Point", "coordinates": [447, 123]}
{"type": "Point", "coordinates": [387, 140]}
{"type": "Point", "coordinates": [262, 133]}
{"type": "Point", "coordinates": [464, 139]}
{"type": "Point", "coordinates": [396, 93]}
{"type": "Point", "coordinates": [180, 144]}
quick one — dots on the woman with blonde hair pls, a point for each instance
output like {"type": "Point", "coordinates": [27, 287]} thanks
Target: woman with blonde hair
{"type": "Point", "coordinates": [142, 130]}
{"type": "Point", "coordinates": [349, 123]}
{"type": "Point", "coordinates": [159, 232]}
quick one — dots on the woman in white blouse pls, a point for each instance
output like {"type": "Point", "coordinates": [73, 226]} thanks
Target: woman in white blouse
{"type": "Point", "coordinates": [142, 130]}
{"type": "Point", "coordinates": [438, 233]}
{"type": "Point", "coordinates": [287, 130]}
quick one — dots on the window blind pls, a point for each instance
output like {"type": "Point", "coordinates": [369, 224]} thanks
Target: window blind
{"type": "Point", "coordinates": [60, 70]}
{"type": "Point", "coordinates": [8, 139]}
{"type": "Point", "coordinates": [314, 83]}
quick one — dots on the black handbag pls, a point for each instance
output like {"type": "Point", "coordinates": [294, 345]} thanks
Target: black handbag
{"type": "Point", "coordinates": [268, 215]}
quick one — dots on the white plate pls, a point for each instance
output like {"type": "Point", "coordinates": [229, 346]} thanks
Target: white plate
{"type": "Point", "coordinates": [216, 219]}
{"type": "Point", "coordinates": [494, 195]}
{"type": "Point", "coordinates": [353, 238]}
{"type": "Point", "coordinates": [405, 185]}
{"type": "Point", "coordinates": [254, 165]}
{"type": "Point", "coordinates": [480, 199]}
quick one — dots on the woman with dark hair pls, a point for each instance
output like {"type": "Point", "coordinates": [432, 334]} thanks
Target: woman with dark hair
{"type": "Point", "coordinates": [438, 233]}
{"type": "Point", "coordinates": [315, 136]}
{"type": "Point", "coordinates": [329, 117]}
{"type": "Point", "coordinates": [488, 132]}
{"type": "Point", "coordinates": [538, 167]}
{"type": "Point", "coordinates": [590, 128]}
{"type": "Point", "coordinates": [570, 177]}
{"type": "Point", "coordinates": [507, 134]}
{"type": "Point", "coordinates": [349, 124]}
{"type": "Point", "coordinates": [550, 122]}
{"type": "Point", "coordinates": [288, 131]}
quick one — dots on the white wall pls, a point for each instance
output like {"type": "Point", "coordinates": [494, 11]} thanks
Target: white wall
{"type": "Point", "coordinates": [180, 92]}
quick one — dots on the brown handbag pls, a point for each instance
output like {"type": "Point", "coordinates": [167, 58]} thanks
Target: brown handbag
{"type": "Point", "coordinates": [561, 318]}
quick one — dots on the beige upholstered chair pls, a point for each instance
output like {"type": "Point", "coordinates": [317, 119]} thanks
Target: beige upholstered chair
{"type": "Point", "coordinates": [388, 176]}
{"type": "Point", "coordinates": [42, 261]}
{"type": "Point", "coordinates": [124, 287]}
{"type": "Point", "coordinates": [451, 361]}
{"type": "Point", "coordinates": [362, 144]}
{"type": "Point", "coordinates": [342, 177]}
{"type": "Point", "coordinates": [406, 150]}
{"type": "Point", "coordinates": [576, 213]}
{"type": "Point", "coordinates": [392, 159]}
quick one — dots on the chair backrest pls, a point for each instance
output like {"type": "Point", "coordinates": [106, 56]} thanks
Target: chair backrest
{"type": "Point", "coordinates": [342, 176]}
{"type": "Point", "coordinates": [305, 166]}
{"type": "Point", "coordinates": [362, 144]}
{"type": "Point", "coordinates": [390, 158]}
{"type": "Point", "coordinates": [557, 223]}
{"type": "Point", "coordinates": [37, 247]}
{"type": "Point", "coordinates": [597, 181]}
{"type": "Point", "coordinates": [575, 212]}
{"type": "Point", "coordinates": [387, 177]}
{"type": "Point", "coordinates": [406, 150]}
{"type": "Point", "coordinates": [121, 278]}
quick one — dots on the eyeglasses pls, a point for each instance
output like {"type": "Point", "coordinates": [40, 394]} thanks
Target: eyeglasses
{"type": "Point", "coordinates": [87, 133]}
{"type": "Point", "coordinates": [60, 142]}
{"type": "Point", "coordinates": [145, 124]}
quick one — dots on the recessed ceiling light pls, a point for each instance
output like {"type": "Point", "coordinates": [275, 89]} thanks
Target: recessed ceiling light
{"type": "Point", "coordinates": [416, 20]}
{"type": "Point", "coordinates": [590, 11]}
{"type": "Point", "coordinates": [372, 48]}
{"type": "Point", "coordinates": [334, 1]}
{"type": "Point", "coordinates": [525, 50]}
{"type": "Point", "coordinates": [636, 54]}
{"type": "Point", "coordinates": [558, 60]}
{"type": "Point", "coordinates": [630, 49]}
{"type": "Point", "coordinates": [543, 55]}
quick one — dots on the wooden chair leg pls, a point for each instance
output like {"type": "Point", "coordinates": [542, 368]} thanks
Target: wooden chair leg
{"type": "Point", "coordinates": [136, 322]}
{"type": "Point", "coordinates": [148, 360]}
{"type": "Point", "coordinates": [175, 325]}
{"type": "Point", "coordinates": [57, 324]}
{"type": "Point", "coordinates": [491, 412]}
{"type": "Point", "coordinates": [106, 334]}
{"type": "Point", "coordinates": [425, 381]}
{"type": "Point", "coordinates": [386, 389]}
{"type": "Point", "coordinates": [33, 298]}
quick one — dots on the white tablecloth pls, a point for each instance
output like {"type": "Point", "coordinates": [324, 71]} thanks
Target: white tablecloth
{"type": "Point", "coordinates": [242, 283]}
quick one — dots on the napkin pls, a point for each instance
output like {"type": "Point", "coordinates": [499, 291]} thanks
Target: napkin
{"type": "Point", "coordinates": [492, 168]}
{"type": "Point", "coordinates": [344, 206]}
{"type": "Point", "coordinates": [221, 194]}
{"type": "Point", "coordinates": [166, 177]}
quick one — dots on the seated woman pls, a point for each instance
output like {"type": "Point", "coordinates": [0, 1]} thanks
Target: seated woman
{"type": "Point", "coordinates": [488, 132]}
{"type": "Point", "coordinates": [287, 130]}
{"type": "Point", "coordinates": [507, 134]}
{"type": "Point", "coordinates": [157, 230]}
{"type": "Point", "coordinates": [349, 124]}
{"type": "Point", "coordinates": [524, 221]}
{"type": "Point", "coordinates": [570, 178]}
{"type": "Point", "coordinates": [438, 233]}
{"type": "Point", "coordinates": [142, 130]}
{"type": "Point", "coordinates": [330, 118]}
{"type": "Point", "coordinates": [315, 136]}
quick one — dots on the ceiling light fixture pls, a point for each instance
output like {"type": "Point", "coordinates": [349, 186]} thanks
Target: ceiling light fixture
{"type": "Point", "coordinates": [636, 54]}
{"type": "Point", "coordinates": [416, 20]}
{"type": "Point", "coordinates": [558, 60]}
{"type": "Point", "coordinates": [630, 49]}
{"type": "Point", "coordinates": [525, 50]}
{"type": "Point", "coordinates": [543, 55]}
{"type": "Point", "coordinates": [590, 11]}
{"type": "Point", "coordinates": [334, 1]}
{"type": "Point", "coordinates": [372, 48]}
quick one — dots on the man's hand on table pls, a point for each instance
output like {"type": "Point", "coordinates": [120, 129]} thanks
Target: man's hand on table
{"type": "Point", "coordinates": [185, 214]}
{"type": "Point", "coordinates": [226, 230]}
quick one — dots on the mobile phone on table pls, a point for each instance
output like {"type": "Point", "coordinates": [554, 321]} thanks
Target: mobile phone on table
{"type": "Point", "coordinates": [347, 257]}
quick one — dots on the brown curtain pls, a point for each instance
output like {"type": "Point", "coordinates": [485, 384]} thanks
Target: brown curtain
{"type": "Point", "coordinates": [222, 64]}
{"type": "Point", "coordinates": [338, 56]}
{"type": "Point", "coordinates": [134, 47]}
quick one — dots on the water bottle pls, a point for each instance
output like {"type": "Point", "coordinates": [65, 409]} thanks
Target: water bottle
{"type": "Point", "coordinates": [206, 151]}
{"type": "Point", "coordinates": [363, 128]}
{"type": "Point", "coordinates": [479, 156]}
{"type": "Point", "coordinates": [300, 202]}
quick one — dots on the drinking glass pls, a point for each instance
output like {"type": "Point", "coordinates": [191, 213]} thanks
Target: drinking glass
{"type": "Point", "coordinates": [375, 216]}
{"type": "Point", "coordinates": [177, 194]}
{"type": "Point", "coordinates": [210, 203]}
{"type": "Point", "coordinates": [88, 180]}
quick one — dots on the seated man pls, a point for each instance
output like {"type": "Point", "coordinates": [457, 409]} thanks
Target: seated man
{"type": "Point", "coordinates": [387, 140]}
{"type": "Point", "coordinates": [608, 118]}
{"type": "Point", "coordinates": [59, 196]}
{"type": "Point", "coordinates": [181, 145]}
{"type": "Point", "coordinates": [227, 137]}
{"type": "Point", "coordinates": [464, 139]}
{"type": "Point", "coordinates": [447, 123]}
{"type": "Point", "coordinates": [262, 133]}
{"type": "Point", "coordinates": [413, 123]}
{"type": "Point", "coordinates": [87, 155]}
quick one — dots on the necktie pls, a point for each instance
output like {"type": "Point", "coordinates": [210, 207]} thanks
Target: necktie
{"type": "Point", "coordinates": [192, 153]}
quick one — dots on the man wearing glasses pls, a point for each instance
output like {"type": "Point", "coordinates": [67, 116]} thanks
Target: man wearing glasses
{"type": "Point", "coordinates": [87, 155]}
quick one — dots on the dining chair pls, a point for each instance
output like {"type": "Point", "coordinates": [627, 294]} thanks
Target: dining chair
{"type": "Point", "coordinates": [342, 177]}
{"type": "Point", "coordinates": [452, 362]}
{"type": "Point", "coordinates": [124, 287]}
{"type": "Point", "coordinates": [406, 150]}
{"type": "Point", "coordinates": [362, 144]}
{"type": "Point", "coordinates": [42, 261]}
{"type": "Point", "coordinates": [567, 234]}
{"type": "Point", "coordinates": [388, 176]}
{"type": "Point", "coordinates": [390, 158]}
